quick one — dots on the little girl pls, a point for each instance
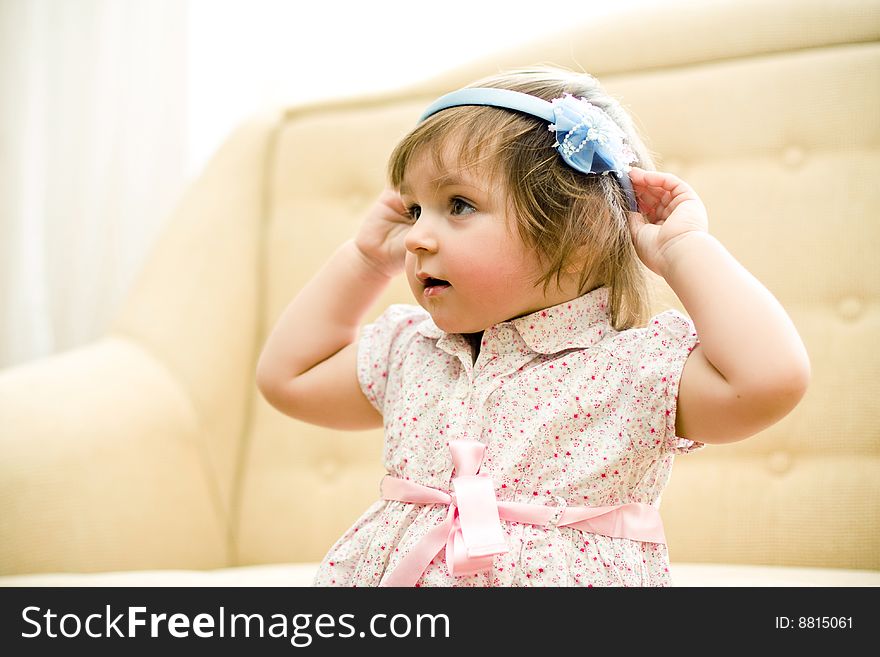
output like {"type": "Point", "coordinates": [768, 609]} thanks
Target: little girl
{"type": "Point", "coordinates": [531, 414]}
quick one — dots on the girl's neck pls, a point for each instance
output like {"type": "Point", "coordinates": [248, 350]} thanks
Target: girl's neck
{"type": "Point", "coordinates": [474, 339]}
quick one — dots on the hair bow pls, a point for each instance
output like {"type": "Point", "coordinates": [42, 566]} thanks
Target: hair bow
{"type": "Point", "coordinates": [587, 138]}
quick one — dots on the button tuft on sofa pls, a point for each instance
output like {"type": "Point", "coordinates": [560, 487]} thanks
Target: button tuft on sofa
{"type": "Point", "coordinates": [850, 308]}
{"type": "Point", "coordinates": [793, 156]}
{"type": "Point", "coordinates": [779, 462]}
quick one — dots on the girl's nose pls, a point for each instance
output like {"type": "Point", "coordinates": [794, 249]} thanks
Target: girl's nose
{"type": "Point", "coordinates": [421, 237]}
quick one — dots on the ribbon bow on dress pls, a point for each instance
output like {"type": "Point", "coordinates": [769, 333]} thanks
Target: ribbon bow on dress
{"type": "Point", "coordinates": [472, 532]}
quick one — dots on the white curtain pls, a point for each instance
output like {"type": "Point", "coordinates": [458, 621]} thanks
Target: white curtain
{"type": "Point", "coordinates": [92, 159]}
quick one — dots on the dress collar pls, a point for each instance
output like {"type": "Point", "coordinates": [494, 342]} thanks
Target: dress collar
{"type": "Point", "coordinates": [575, 324]}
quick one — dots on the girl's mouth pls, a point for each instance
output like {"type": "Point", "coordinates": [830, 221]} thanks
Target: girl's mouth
{"type": "Point", "coordinates": [435, 286]}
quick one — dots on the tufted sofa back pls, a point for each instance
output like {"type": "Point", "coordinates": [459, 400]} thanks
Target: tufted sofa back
{"type": "Point", "coordinates": [770, 110]}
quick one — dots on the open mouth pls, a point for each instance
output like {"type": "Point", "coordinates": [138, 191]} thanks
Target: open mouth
{"type": "Point", "coordinates": [433, 286]}
{"type": "Point", "coordinates": [435, 282]}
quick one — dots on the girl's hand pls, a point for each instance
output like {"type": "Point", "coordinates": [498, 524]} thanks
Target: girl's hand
{"type": "Point", "coordinates": [671, 209]}
{"type": "Point", "coordinates": [381, 236]}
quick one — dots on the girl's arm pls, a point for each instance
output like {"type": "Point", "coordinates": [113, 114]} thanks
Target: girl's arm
{"type": "Point", "coordinates": [308, 366]}
{"type": "Point", "coordinates": [751, 367]}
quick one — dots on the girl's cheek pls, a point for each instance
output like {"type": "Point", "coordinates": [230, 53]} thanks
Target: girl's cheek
{"type": "Point", "coordinates": [476, 269]}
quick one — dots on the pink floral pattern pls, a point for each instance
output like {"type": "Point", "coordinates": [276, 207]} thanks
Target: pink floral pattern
{"type": "Point", "coordinates": [571, 411]}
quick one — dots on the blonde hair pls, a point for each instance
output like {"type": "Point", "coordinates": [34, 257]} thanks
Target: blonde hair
{"type": "Point", "coordinates": [574, 222]}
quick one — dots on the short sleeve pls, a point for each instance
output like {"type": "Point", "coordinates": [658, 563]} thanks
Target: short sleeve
{"type": "Point", "coordinates": [668, 340]}
{"type": "Point", "coordinates": [380, 349]}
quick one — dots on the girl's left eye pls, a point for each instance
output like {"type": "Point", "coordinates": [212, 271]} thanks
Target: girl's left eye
{"type": "Point", "coordinates": [460, 206]}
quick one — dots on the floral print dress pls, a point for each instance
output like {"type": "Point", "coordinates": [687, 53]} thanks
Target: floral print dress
{"type": "Point", "coordinates": [571, 412]}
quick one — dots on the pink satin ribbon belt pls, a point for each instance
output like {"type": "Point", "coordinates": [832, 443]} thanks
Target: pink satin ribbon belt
{"type": "Point", "coordinates": [472, 530]}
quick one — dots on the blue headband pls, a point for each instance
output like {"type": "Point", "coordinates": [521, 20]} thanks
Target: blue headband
{"type": "Point", "coordinates": [591, 141]}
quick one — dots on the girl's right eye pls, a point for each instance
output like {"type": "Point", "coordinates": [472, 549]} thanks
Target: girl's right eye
{"type": "Point", "coordinates": [413, 212]}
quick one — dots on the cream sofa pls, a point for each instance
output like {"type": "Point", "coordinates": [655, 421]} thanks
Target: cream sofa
{"type": "Point", "coordinates": [149, 456]}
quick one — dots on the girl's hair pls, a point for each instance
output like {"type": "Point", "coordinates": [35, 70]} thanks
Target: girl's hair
{"type": "Point", "coordinates": [574, 222]}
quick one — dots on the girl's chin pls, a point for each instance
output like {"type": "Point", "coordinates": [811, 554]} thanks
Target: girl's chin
{"type": "Point", "coordinates": [444, 320]}
{"type": "Point", "coordinates": [450, 325]}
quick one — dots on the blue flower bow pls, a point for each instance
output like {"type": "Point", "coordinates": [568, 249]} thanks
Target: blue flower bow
{"type": "Point", "coordinates": [590, 141]}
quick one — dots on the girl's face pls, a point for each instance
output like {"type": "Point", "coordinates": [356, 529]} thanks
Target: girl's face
{"type": "Point", "coordinates": [465, 261]}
